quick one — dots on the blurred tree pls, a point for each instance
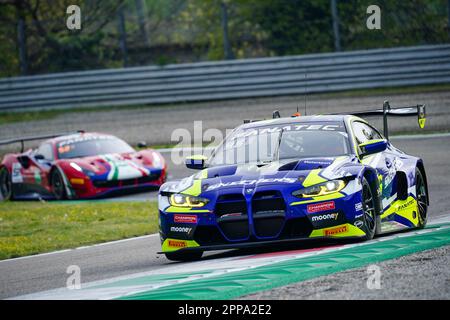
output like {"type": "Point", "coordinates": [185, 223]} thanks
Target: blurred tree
{"type": "Point", "coordinates": [171, 31]}
{"type": "Point", "coordinates": [50, 45]}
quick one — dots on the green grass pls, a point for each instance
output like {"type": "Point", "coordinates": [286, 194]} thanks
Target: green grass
{"type": "Point", "coordinates": [11, 117]}
{"type": "Point", "coordinates": [28, 228]}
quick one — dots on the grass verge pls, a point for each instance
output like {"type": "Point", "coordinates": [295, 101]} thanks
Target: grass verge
{"type": "Point", "coordinates": [28, 228]}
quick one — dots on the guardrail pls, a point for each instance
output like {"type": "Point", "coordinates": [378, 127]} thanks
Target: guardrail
{"type": "Point", "coordinates": [247, 78]}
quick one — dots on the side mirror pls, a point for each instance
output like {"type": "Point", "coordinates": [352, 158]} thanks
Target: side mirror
{"type": "Point", "coordinates": [372, 147]}
{"type": "Point", "coordinates": [196, 162]}
{"type": "Point", "coordinates": [24, 161]}
{"type": "Point", "coordinates": [142, 144]}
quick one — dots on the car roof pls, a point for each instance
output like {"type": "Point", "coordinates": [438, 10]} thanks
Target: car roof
{"type": "Point", "coordinates": [77, 135]}
{"type": "Point", "coordinates": [301, 119]}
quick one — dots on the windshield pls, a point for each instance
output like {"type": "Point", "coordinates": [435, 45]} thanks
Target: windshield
{"type": "Point", "coordinates": [91, 146]}
{"type": "Point", "coordinates": [286, 142]}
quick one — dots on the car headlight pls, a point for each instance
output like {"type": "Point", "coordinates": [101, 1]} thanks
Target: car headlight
{"type": "Point", "coordinates": [321, 189]}
{"type": "Point", "coordinates": [182, 200]}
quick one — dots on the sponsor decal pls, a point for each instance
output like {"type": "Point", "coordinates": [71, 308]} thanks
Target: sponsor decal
{"type": "Point", "coordinates": [177, 243]}
{"type": "Point", "coordinates": [329, 216]}
{"type": "Point", "coordinates": [325, 163]}
{"type": "Point", "coordinates": [406, 205]}
{"type": "Point", "coordinates": [16, 175]}
{"type": "Point", "coordinates": [358, 223]}
{"type": "Point", "coordinates": [293, 127]}
{"type": "Point", "coordinates": [250, 182]}
{"type": "Point", "coordinates": [358, 206]}
{"type": "Point", "coordinates": [392, 169]}
{"type": "Point", "coordinates": [334, 231]}
{"type": "Point", "coordinates": [82, 138]}
{"type": "Point", "coordinates": [37, 175]}
{"type": "Point", "coordinates": [181, 229]}
{"type": "Point", "coordinates": [318, 207]}
{"type": "Point", "coordinates": [183, 218]}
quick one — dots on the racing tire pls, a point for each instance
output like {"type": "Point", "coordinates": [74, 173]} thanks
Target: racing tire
{"type": "Point", "coordinates": [422, 202]}
{"type": "Point", "coordinates": [370, 216]}
{"type": "Point", "coordinates": [184, 256]}
{"type": "Point", "coordinates": [6, 184]}
{"type": "Point", "coordinates": [57, 184]}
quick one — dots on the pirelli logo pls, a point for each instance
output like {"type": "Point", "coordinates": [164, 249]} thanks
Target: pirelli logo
{"type": "Point", "coordinates": [177, 244]}
{"type": "Point", "coordinates": [334, 231]}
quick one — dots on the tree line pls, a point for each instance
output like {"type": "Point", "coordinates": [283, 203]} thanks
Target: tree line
{"type": "Point", "coordinates": [34, 38]}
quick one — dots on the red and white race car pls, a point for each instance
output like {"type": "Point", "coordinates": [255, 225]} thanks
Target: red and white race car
{"type": "Point", "coordinates": [79, 166]}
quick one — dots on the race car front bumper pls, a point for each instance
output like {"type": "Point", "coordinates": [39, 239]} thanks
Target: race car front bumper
{"type": "Point", "coordinates": [235, 222]}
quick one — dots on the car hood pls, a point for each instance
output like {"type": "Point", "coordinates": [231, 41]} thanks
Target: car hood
{"type": "Point", "coordinates": [115, 166]}
{"type": "Point", "coordinates": [287, 171]}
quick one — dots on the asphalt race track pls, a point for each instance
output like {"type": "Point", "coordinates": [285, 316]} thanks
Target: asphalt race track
{"type": "Point", "coordinates": [36, 274]}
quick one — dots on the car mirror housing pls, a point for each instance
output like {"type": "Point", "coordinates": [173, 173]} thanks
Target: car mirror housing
{"type": "Point", "coordinates": [197, 162]}
{"type": "Point", "coordinates": [142, 144]}
{"type": "Point", "coordinates": [372, 147]}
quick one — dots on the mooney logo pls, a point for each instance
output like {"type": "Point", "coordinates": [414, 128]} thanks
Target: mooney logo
{"type": "Point", "coordinates": [334, 231]}
{"type": "Point", "coordinates": [181, 229]}
{"type": "Point", "coordinates": [178, 218]}
{"type": "Point", "coordinates": [324, 206]}
{"type": "Point", "coordinates": [329, 216]}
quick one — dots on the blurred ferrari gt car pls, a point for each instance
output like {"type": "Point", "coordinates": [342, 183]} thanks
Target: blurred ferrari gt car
{"type": "Point", "coordinates": [297, 178]}
{"type": "Point", "coordinates": [79, 166]}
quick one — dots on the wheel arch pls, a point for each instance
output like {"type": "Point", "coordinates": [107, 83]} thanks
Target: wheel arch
{"type": "Point", "coordinates": [67, 185]}
{"type": "Point", "coordinates": [421, 168]}
{"type": "Point", "coordinates": [371, 175]}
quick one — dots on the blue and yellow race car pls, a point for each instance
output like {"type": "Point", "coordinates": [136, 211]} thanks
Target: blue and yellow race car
{"type": "Point", "coordinates": [295, 178]}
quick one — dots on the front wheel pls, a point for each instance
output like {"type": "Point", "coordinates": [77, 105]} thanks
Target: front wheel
{"type": "Point", "coordinates": [184, 255]}
{"type": "Point", "coordinates": [57, 184]}
{"type": "Point", "coordinates": [422, 199]}
{"type": "Point", "coordinates": [370, 216]}
{"type": "Point", "coordinates": [5, 184]}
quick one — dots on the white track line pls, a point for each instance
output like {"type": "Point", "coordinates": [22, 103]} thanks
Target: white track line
{"type": "Point", "coordinates": [421, 136]}
{"type": "Point", "coordinates": [81, 248]}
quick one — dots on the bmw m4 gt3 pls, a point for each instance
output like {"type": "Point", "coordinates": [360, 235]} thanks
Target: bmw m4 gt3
{"type": "Point", "coordinates": [287, 179]}
{"type": "Point", "coordinates": [79, 166]}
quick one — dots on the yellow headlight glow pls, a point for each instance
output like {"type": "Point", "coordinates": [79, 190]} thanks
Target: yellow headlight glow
{"type": "Point", "coordinates": [185, 201]}
{"type": "Point", "coordinates": [322, 189]}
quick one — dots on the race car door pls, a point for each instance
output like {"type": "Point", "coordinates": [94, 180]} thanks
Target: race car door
{"type": "Point", "coordinates": [384, 162]}
{"type": "Point", "coordinates": [35, 175]}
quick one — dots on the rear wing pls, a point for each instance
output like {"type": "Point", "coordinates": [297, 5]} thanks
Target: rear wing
{"type": "Point", "coordinates": [34, 138]}
{"type": "Point", "coordinates": [388, 111]}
